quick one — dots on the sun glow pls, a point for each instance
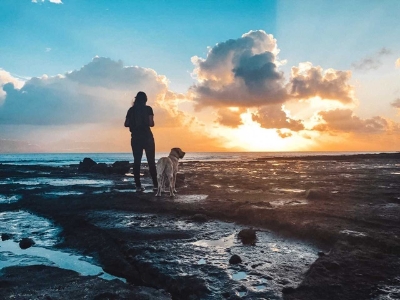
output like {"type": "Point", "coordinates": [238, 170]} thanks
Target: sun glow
{"type": "Point", "coordinates": [252, 137]}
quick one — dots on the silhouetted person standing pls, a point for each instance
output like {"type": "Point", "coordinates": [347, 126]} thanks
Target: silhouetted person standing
{"type": "Point", "coordinates": [139, 119]}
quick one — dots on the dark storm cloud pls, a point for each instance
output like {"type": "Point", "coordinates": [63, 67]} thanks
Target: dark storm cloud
{"type": "Point", "coordinates": [274, 117]}
{"type": "Point", "coordinates": [343, 120]}
{"type": "Point", "coordinates": [99, 92]}
{"type": "Point", "coordinates": [371, 62]}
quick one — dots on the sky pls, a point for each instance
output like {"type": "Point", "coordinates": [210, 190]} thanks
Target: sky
{"type": "Point", "coordinates": [310, 75]}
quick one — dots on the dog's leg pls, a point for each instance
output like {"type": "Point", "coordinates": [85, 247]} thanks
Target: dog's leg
{"type": "Point", "coordinates": [174, 183]}
{"type": "Point", "coordinates": [171, 187]}
{"type": "Point", "coordinates": [160, 179]}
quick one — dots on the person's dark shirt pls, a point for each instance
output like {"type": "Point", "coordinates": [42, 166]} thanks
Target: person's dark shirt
{"type": "Point", "coordinates": [140, 128]}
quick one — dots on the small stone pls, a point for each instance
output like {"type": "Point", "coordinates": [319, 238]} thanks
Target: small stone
{"type": "Point", "coordinates": [26, 243]}
{"type": "Point", "coordinates": [235, 259]}
{"type": "Point", "coordinates": [6, 236]}
{"type": "Point", "coordinates": [314, 194]}
{"type": "Point", "coordinates": [284, 281]}
{"type": "Point", "coordinates": [200, 218]}
{"type": "Point", "coordinates": [247, 236]}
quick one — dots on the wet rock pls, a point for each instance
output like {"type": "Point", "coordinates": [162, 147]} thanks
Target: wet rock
{"type": "Point", "coordinates": [288, 290]}
{"type": "Point", "coordinates": [226, 294]}
{"type": "Point", "coordinates": [268, 204]}
{"type": "Point", "coordinates": [105, 296]}
{"type": "Point", "coordinates": [86, 164]}
{"type": "Point", "coordinates": [268, 277]}
{"type": "Point", "coordinates": [235, 259]}
{"type": "Point", "coordinates": [26, 243]}
{"type": "Point", "coordinates": [247, 236]}
{"type": "Point", "coordinates": [284, 281]}
{"type": "Point", "coordinates": [45, 282]}
{"type": "Point", "coordinates": [120, 167]}
{"type": "Point", "coordinates": [331, 265]}
{"type": "Point", "coordinates": [199, 218]}
{"type": "Point", "coordinates": [256, 265]}
{"type": "Point", "coordinates": [6, 236]}
{"type": "Point", "coordinates": [101, 168]}
{"type": "Point", "coordinates": [315, 194]}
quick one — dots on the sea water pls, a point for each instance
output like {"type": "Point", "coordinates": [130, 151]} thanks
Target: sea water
{"type": "Point", "coordinates": [60, 159]}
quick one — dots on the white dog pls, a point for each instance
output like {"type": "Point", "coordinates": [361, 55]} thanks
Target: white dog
{"type": "Point", "coordinates": [167, 167]}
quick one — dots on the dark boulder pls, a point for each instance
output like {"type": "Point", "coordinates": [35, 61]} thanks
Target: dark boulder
{"type": "Point", "coordinates": [247, 236]}
{"type": "Point", "coordinates": [101, 168]}
{"type": "Point", "coordinates": [6, 236]}
{"type": "Point", "coordinates": [318, 193]}
{"type": "Point", "coordinates": [199, 218]}
{"type": "Point", "coordinates": [86, 164]}
{"type": "Point", "coordinates": [235, 259]}
{"type": "Point", "coordinates": [26, 243]}
{"type": "Point", "coordinates": [121, 167]}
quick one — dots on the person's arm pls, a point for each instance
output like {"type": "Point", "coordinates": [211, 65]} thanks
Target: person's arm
{"type": "Point", "coordinates": [151, 116]}
{"type": "Point", "coordinates": [151, 120]}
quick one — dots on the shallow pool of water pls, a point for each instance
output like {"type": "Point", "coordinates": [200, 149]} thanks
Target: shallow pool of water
{"type": "Point", "coordinates": [21, 224]}
{"type": "Point", "coordinates": [64, 182]}
{"type": "Point", "coordinates": [12, 255]}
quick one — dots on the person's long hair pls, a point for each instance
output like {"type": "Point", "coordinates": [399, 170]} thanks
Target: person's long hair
{"type": "Point", "coordinates": [139, 108]}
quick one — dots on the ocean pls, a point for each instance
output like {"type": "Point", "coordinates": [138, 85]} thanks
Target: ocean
{"type": "Point", "coordinates": [62, 159]}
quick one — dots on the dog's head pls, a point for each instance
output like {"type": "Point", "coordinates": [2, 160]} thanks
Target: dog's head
{"type": "Point", "coordinates": [177, 152]}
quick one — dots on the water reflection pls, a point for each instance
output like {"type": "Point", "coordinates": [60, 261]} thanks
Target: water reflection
{"type": "Point", "coordinates": [12, 255]}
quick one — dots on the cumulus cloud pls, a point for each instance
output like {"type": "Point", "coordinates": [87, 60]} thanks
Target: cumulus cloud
{"type": "Point", "coordinates": [284, 134]}
{"type": "Point", "coordinates": [230, 117]}
{"type": "Point", "coordinates": [343, 120]}
{"type": "Point", "coordinates": [274, 117]}
{"type": "Point", "coordinates": [396, 103]}
{"type": "Point", "coordinates": [240, 73]}
{"type": "Point", "coordinates": [6, 77]}
{"type": "Point", "coordinates": [307, 81]}
{"type": "Point", "coordinates": [371, 62]}
{"type": "Point", "coordinates": [99, 92]}
{"type": "Point", "coordinates": [245, 73]}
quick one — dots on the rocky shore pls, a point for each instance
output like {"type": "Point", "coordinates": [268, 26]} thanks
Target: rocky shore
{"type": "Point", "coordinates": [298, 228]}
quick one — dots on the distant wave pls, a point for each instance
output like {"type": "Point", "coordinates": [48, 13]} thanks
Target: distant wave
{"type": "Point", "coordinates": [61, 159]}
